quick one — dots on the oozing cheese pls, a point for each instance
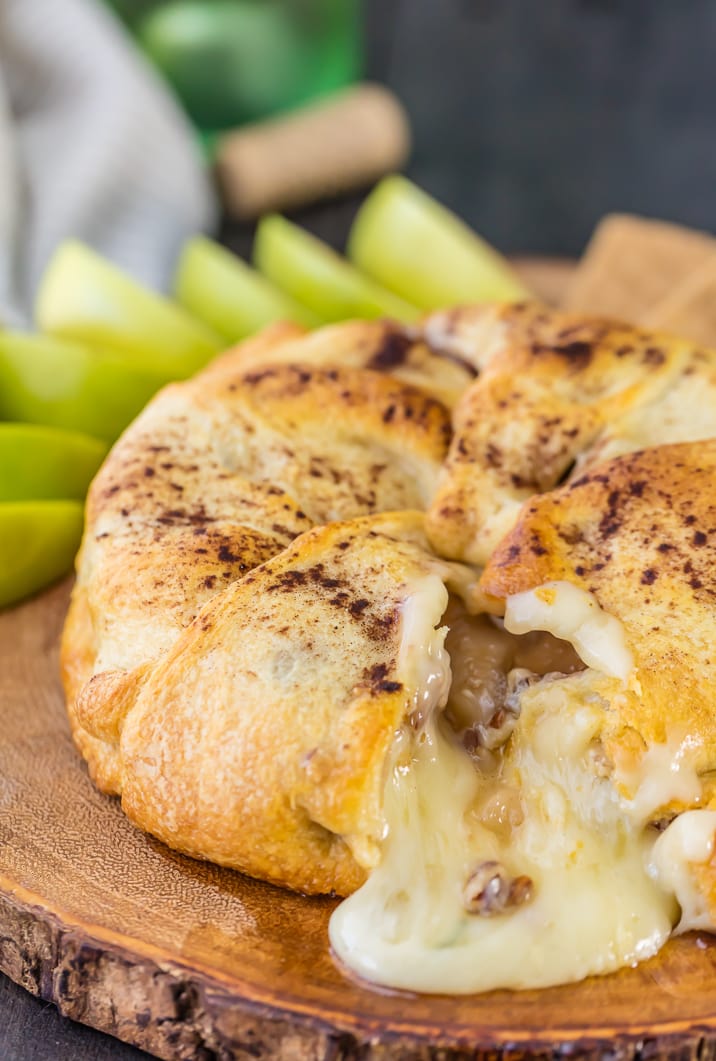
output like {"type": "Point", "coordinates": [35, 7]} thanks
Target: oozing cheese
{"type": "Point", "coordinates": [544, 815]}
{"type": "Point", "coordinates": [424, 664]}
{"type": "Point", "coordinates": [665, 773]}
{"type": "Point", "coordinates": [688, 841]}
{"type": "Point", "coordinates": [574, 615]}
{"type": "Point", "coordinates": [594, 907]}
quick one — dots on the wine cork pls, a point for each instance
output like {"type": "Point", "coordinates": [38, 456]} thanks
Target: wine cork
{"type": "Point", "coordinates": [323, 149]}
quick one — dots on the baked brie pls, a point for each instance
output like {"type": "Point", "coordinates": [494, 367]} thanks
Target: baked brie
{"type": "Point", "coordinates": [457, 669]}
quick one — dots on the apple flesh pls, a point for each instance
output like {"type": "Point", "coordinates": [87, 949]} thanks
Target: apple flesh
{"type": "Point", "coordinates": [410, 243]}
{"type": "Point", "coordinates": [45, 463]}
{"type": "Point", "coordinates": [38, 543]}
{"type": "Point", "coordinates": [85, 298]}
{"type": "Point", "coordinates": [228, 295]}
{"type": "Point", "coordinates": [63, 384]}
{"type": "Point", "coordinates": [312, 273]}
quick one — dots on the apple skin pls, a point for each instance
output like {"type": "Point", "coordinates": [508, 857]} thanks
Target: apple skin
{"type": "Point", "coordinates": [312, 273]}
{"type": "Point", "coordinates": [228, 295]}
{"type": "Point", "coordinates": [84, 297]}
{"type": "Point", "coordinates": [38, 543]}
{"type": "Point", "coordinates": [410, 243]}
{"type": "Point", "coordinates": [67, 385]}
{"type": "Point", "coordinates": [45, 463]}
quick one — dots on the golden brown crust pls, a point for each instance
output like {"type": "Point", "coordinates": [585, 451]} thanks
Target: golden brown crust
{"type": "Point", "coordinates": [217, 476]}
{"type": "Point", "coordinates": [222, 472]}
{"type": "Point", "coordinates": [255, 350]}
{"type": "Point", "coordinates": [261, 739]}
{"type": "Point", "coordinates": [559, 390]}
{"type": "Point", "coordinates": [233, 654]}
{"type": "Point", "coordinates": [382, 346]}
{"type": "Point", "coordinates": [704, 880]}
{"type": "Point", "coordinates": [345, 441]}
{"type": "Point", "coordinates": [639, 532]}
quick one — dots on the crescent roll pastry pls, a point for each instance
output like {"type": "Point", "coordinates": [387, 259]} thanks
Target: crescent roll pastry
{"type": "Point", "coordinates": [381, 345]}
{"type": "Point", "coordinates": [260, 740]}
{"type": "Point", "coordinates": [557, 393]}
{"type": "Point", "coordinates": [281, 662]}
{"type": "Point", "coordinates": [639, 534]}
{"type": "Point", "coordinates": [217, 475]}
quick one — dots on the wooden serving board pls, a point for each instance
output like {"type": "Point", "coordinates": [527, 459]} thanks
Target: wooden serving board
{"type": "Point", "coordinates": [190, 961]}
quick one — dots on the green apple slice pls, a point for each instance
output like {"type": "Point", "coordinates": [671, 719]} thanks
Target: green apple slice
{"type": "Point", "coordinates": [63, 384]}
{"type": "Point", "coordinates": [227, 294]}
{"type": "Point", "coordinates": [84, 297]}
{"type": "Point", "coordinates": [406, 240]}
{"type": "Point", "coordinates": [45, 463]}
{"type": "Point", "coordinates": [38, 543]}
{"type": "Point", "coordinates": [311, 272]}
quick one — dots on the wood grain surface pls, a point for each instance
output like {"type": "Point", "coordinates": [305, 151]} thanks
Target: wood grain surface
{"type": "Point", "coordinates": [186, 960]}
{"type": "Point", "coordinates": [190, 961]}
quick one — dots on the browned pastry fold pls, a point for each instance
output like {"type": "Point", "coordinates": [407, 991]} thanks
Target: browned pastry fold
{"type": "Point", "coordinates": [217, 475]}
{"type": "Point", "coordinates": [380, 345]}
{"type": "Point", "coordinates": [557, 393]}
{"type": "Point", "coordinates": [638, 532]}
{"type": "Point", "coordinates": [260, 740]}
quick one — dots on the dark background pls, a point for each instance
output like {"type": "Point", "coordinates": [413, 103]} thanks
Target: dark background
{"type": "Point", "coordinates": [531, 118]}
{"type": "Point", "coordinates": [534, 118]}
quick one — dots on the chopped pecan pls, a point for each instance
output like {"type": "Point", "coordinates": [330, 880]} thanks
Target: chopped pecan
{"type": "Point", "coordinates": [489, 890]}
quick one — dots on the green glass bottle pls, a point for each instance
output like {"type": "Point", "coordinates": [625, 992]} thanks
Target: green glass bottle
{"type": "Point", "coordinates": [237, 61]}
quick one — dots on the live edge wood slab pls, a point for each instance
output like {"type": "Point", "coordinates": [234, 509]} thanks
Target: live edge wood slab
{"type": "Point", "coordinates": [190, 961]}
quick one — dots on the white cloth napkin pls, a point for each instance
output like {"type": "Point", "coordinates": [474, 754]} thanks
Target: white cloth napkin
{"type": "Point", "coordinates": [92, 146]}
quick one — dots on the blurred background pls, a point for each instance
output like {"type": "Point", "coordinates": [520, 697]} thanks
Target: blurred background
{"type": "Point", "coordinates": [531, 120]}
{"type": "Point", "coordinates": [535, 119]}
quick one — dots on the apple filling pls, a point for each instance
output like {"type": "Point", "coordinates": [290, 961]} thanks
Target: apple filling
{"type": "Point", "coordinates": [510, 858]}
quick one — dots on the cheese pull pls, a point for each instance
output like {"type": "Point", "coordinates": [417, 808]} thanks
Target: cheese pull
{"type": "Point", "coordinates": [685, 848]}
{"type": "Point", "coordinates": [584, 903]}
{"type": "Point", "coordinates": [569, 612]}
{"type": "Point", "coordinates": [532, 870]}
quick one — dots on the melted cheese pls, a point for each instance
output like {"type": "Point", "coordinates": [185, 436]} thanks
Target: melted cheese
{"type": "Point", "coordinates": [604, 890]}
{"type": "Point", "coordinates": [688, 841]}
{"type": "Point", "coordinates": [570, 613]}
{"type": "Point", "coordinates": [594, 907]}
{"type": "Point", "coordinates": [665, 774]}
{"type": "Point", "coordinates": [424, 665]}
